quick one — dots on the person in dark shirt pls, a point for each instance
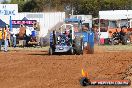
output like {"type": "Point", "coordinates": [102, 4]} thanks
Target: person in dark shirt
{"type": "Point", "coordinates": [122, 33]}
{"type": "Point", "coordinates": [0, 38]}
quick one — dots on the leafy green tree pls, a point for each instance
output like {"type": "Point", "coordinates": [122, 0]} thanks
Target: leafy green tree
{"type": "Point", "coordinates": [79, 6]}
{"type": "Point", "coordinates": [20, 4]}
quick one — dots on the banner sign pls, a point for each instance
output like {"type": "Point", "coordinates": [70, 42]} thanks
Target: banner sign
{"type": "Point", "coordinates": [23, 22]}
{"type": "Point", "coordinates": [8, 9]}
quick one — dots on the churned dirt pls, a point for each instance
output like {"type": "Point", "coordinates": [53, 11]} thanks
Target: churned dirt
{"type": "Point", "coordinates": [36, 69]}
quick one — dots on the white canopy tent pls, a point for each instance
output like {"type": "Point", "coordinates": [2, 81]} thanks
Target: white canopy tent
{"type": "Point", "coordinates": [115, 14]}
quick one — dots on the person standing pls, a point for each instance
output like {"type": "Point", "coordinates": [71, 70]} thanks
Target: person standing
{"type": "Point", "coordinates": [14, 40]}
{"type": "Point", "coordinates": [96, 33]}
{"type": "Point", "coordinates": [6, 37]}
{"type": "Point", "coordinates": [0, 38]}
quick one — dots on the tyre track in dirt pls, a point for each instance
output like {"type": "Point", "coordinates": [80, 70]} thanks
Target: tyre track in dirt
{"type": "Point", "coordinates": [36, 69]}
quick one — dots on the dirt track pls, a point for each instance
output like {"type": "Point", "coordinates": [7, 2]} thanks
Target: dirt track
{"type": "Point", "coordinates": [30, 69]}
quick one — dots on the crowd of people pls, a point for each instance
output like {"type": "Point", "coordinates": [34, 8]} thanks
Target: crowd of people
{"type": "Point", "coordinates": [5, 37]}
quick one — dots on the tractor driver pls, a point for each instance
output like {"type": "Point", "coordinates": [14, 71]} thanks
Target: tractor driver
{"type": "Point", "coordinates": [122, 33]}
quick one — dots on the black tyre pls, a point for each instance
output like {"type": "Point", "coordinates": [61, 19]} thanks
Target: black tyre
{"type": "Point", "coordinates": [54, 38]}
{"type": "Point", "coordinates": [51, 52]}
{"type": "Point", "coordinates": [115, 42]}
{"type": "Point", "coordinates": [110, 41]}
{"type": "Point", "coordinates": [90, 50]}
{"type": "Point", "coordinates": [78, 45]}
{"type": "Point", "coordinates": [124, 40]}
{"type": "Point", "coordinates": [72, 51]}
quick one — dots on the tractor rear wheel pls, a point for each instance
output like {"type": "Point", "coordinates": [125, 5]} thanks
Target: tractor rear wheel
{"type": "Point", "coordinates": [124, 40]}
{"type": "Point", "coordinates": [78, 45]}
{"type": "Point", "coordinates": [51, 52]}
{"type": "Point", "coordinates": [90, 50]}
{"type": "Point", "coordinates": [72, 51]}
{"type": "Point", "coordinates": [54, 38]}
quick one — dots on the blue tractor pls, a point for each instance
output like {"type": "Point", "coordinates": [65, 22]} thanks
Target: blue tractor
{"type": "Point", "coordinates": [71, 38]}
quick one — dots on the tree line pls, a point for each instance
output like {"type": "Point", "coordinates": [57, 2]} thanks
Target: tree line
{"type": "Point", "coordinates": [86, 7]}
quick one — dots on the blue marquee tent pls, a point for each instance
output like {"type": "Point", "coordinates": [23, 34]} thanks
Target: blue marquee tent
{"type": "Point", "coordinates": [2, 24]}
{"type": "Point", "coordinates": [24, 18]}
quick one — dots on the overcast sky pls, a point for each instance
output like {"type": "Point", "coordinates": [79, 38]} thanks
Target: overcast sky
{"type": "Point", "coordinates": [3, 0]}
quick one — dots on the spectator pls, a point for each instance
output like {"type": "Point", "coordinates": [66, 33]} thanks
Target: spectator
{"type": "Point", "coordinates": [14, 40]}
{"type": "Point", "coordinates": [96, 33]}
{"type": "Point", "coordinates": [0, 38]}
{"type": "Point", "coordinates": [6, 38]}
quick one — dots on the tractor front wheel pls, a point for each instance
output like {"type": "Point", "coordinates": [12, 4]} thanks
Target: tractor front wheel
{"type": "Point", "coordinates": [124, 40]}
{"type": "Point", "coordinates": [51, 51]}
